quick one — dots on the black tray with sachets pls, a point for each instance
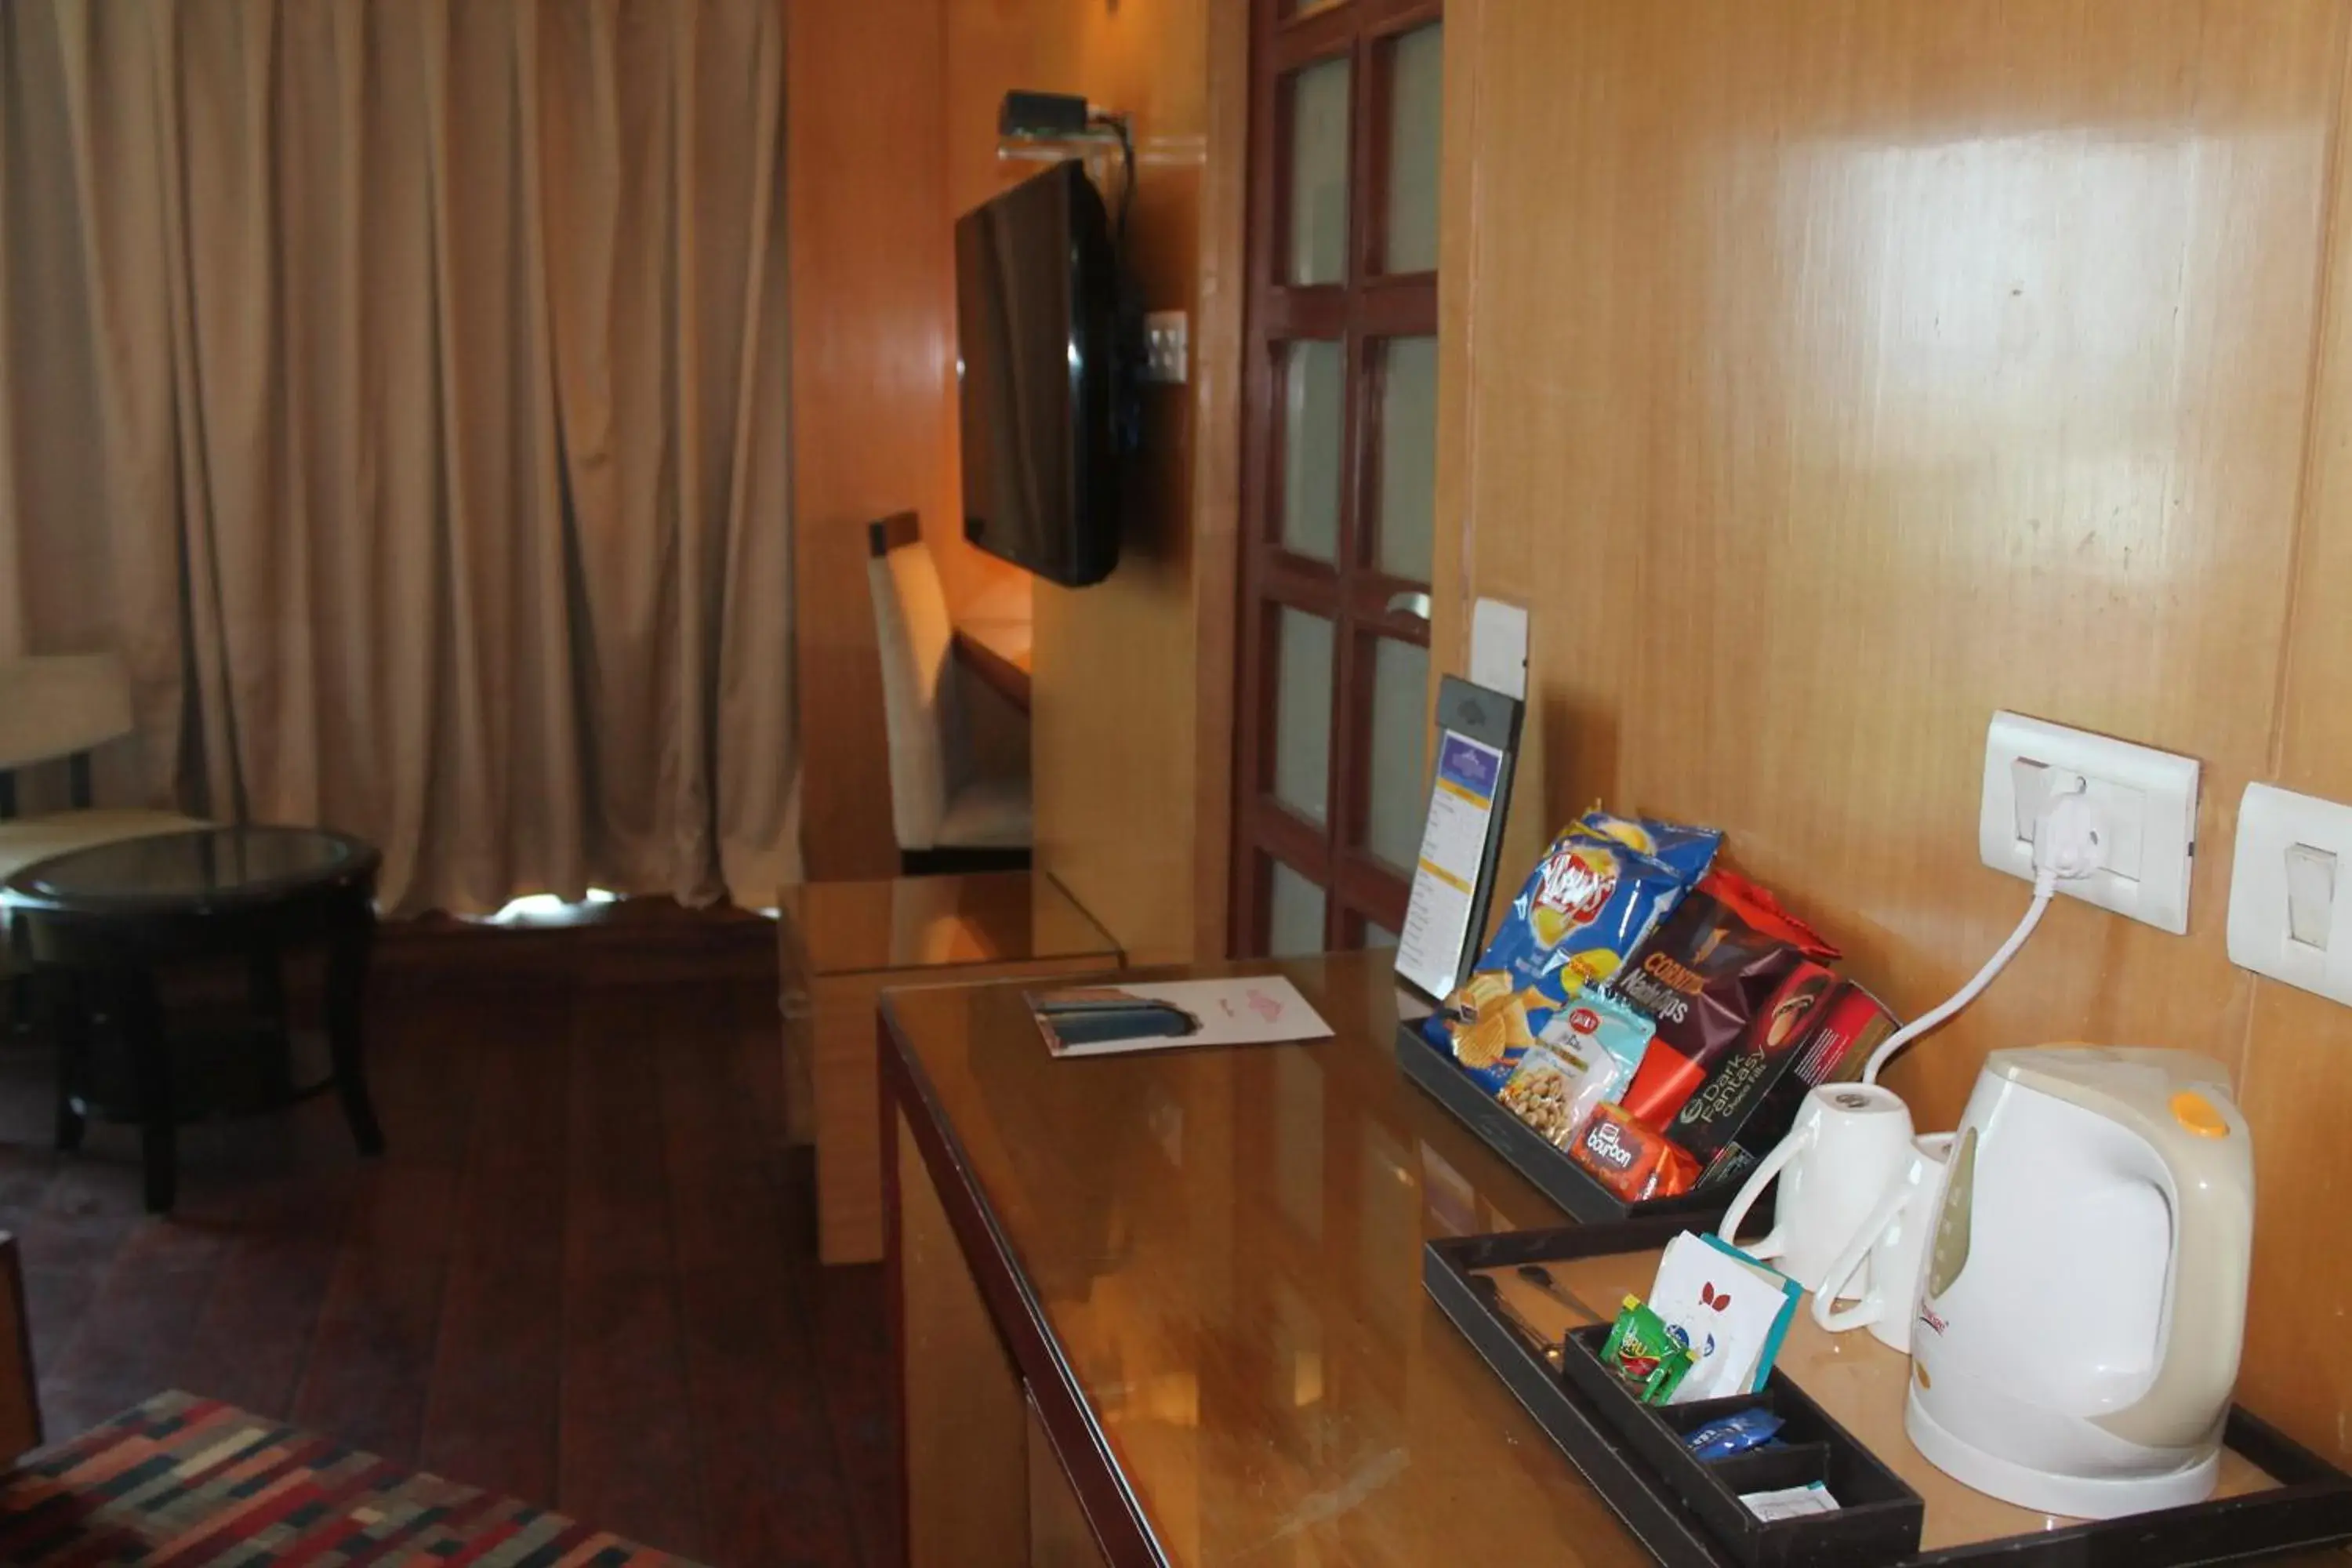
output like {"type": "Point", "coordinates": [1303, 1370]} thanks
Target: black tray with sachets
{"type": "Point", "coordinates": [1537, 1306]}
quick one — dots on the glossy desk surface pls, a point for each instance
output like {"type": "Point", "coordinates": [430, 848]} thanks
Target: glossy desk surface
{"type": "Point", "coordinates": [933, 923]}
{"type": "Point", "coordinates": [1000, 652]}
{"type": "Point", "coordinates": [1224, 1248]}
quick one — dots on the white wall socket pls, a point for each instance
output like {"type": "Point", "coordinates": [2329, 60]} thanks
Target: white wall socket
{"type": "Point", "coordinates": [1167, 348]}
{"type": "Point", "coordinates": [2287, 916]}
{"type": "Point", "coordinates": [2149, 798]}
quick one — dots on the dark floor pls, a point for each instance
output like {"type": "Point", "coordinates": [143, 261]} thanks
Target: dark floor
{"type": "Point", "coordinates": [583, 1274]}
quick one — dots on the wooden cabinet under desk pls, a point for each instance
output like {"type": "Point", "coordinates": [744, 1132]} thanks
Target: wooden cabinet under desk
{"type": "Point", "coordinates": [843, 946]}
{"type": "Point", "coordinates": [1167, 1308]}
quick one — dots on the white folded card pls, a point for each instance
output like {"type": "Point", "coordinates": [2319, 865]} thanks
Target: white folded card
{"type": "Point", "coordinates": [1105, 1020]}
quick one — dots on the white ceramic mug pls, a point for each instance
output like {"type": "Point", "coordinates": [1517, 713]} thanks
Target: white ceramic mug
{"type": "Point", "coordinates": [1848, 1143]}
{"type": "Point", "coordinates": [1893, 1242]}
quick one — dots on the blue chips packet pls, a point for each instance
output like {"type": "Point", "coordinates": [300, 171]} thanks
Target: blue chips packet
{"type": "Point", "coordinates": [1589, 903]}
{"type": "Point", "coordinates": [1685, 850]}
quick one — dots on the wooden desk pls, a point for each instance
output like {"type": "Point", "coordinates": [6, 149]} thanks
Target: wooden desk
{"type": "Point", "coordinates": [998, 652]}
{"type": "Point", "coordinates": [842, 943]}
{"type": "Point", "coordinates": [1167, 1308]}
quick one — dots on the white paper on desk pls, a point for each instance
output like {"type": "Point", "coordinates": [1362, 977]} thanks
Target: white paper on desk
{"type": "Point", "coordinates": [1439, 921]}
{"type": "Point", "coordinates": [1106, 1020]}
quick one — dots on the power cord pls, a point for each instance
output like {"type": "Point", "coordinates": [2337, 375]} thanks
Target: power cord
{"type": "Point", "coordinates": [1112, 120]}
{"type": "Point", "coordinates": [2066, 845]}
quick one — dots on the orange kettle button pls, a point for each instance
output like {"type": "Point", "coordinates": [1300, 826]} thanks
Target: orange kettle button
{"type": "Point", "coordinates": [2196, 1113]}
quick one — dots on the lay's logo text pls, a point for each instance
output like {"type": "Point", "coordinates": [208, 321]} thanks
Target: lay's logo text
{"type": "Point", "coordinates": [1578, 882]}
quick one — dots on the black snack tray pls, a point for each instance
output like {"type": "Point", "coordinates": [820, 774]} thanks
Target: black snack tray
{"type": "Point", "coordinates": [1687, 1512]}
{"type": "Point", "coordinates": [1556, 1176]}
{"type": "Point", "coordinates": [1880, 1518]}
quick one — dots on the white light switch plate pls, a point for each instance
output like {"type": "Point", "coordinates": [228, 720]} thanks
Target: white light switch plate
{"type": "Point", "coordinates": [2272, 824]}
{"type": "Point", "coordinates": [2148, 797]}
{"type": "Point", "coordinates": [1166, 348]}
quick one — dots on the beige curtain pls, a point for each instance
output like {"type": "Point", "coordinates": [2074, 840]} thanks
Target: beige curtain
{"type": "Point", "coordinates": [400, 385]}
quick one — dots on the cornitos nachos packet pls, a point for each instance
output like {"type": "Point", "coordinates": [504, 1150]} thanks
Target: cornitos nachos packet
{"type": "Point", "coordinates": [1590, 900]}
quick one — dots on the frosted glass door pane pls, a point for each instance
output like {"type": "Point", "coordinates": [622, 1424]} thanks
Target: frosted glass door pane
{"type": "Point", "coordinates": [1296, 922]}
{"type": "Point", "coordinates": [1302, 714]}
{"type": "Point", "coordinates": [1397, 805]}
{"type": "Point", "coordinates": [1318, 174]}
{"type": "Point", "coordinates": [1314, 415]}
{"type": "Point", "coordinates": [1416, 90]}
{"type": "Point", "coordinates": [1407, 510]}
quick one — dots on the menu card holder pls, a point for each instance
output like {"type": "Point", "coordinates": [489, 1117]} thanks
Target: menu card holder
{"type": "Point", "coordinates": [1477, 733]}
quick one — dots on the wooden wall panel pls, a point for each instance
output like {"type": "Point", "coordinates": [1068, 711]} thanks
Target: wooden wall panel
{"type": "Point", "coordinates": [1828, 376]}
{"type": "Point", "coordinates": [872, 308]}
{"type": "Point", "coordinates": [1116, 755]}
{"type": "Point", "coordinates": [1220, 294]}
{"type": "Point", "coordinates": [873, 368]}
{"type": "Point", "coordinates": [1453, 587]}
{"type": "Point", "coordinates": [2298, 1056]}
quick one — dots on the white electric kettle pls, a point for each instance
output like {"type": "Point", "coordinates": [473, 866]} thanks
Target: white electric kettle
{"type": "Point", "coordinates": [2085, 1300]}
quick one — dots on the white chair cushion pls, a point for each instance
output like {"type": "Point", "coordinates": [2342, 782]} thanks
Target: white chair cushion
{"type": "Point", "coordinates": [913, 633]}
{"type": "Point", "coordinates": [32, 839]}
{"type": "Point", "coordinates": [988, 814]}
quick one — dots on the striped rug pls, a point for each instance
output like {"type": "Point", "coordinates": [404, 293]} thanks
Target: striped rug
{"type": "Point", "coordinates": [193, 1481]}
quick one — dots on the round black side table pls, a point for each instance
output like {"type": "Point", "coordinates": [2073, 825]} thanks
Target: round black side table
{"type": "Point", "coordinates": [108, 915]}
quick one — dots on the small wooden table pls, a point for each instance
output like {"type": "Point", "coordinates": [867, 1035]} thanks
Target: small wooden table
{"type": "Point", "coordinates": [843, 944]}
{"type": "Point", "coordinates": [1167, 1308]}
{"type": "Point", "coordinates": [109, 914]}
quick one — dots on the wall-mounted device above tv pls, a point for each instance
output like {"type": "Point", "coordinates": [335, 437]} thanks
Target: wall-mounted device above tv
{"type": "Point", "coordinates": [1041, 376]}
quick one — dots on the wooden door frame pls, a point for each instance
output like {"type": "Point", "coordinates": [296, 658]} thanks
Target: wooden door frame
{"type": "Point", "coordinates": [1367, 305]}
{"type": "Point", "coordinates": [1217, 359]}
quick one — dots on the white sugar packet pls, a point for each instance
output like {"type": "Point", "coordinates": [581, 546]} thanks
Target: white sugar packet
{"type": "Point", "coordinates": [1790, 1502]}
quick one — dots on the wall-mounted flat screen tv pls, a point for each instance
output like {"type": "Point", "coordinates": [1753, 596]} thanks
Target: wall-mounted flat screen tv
{"type": "Point", "coordinates": [1036, 338]}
